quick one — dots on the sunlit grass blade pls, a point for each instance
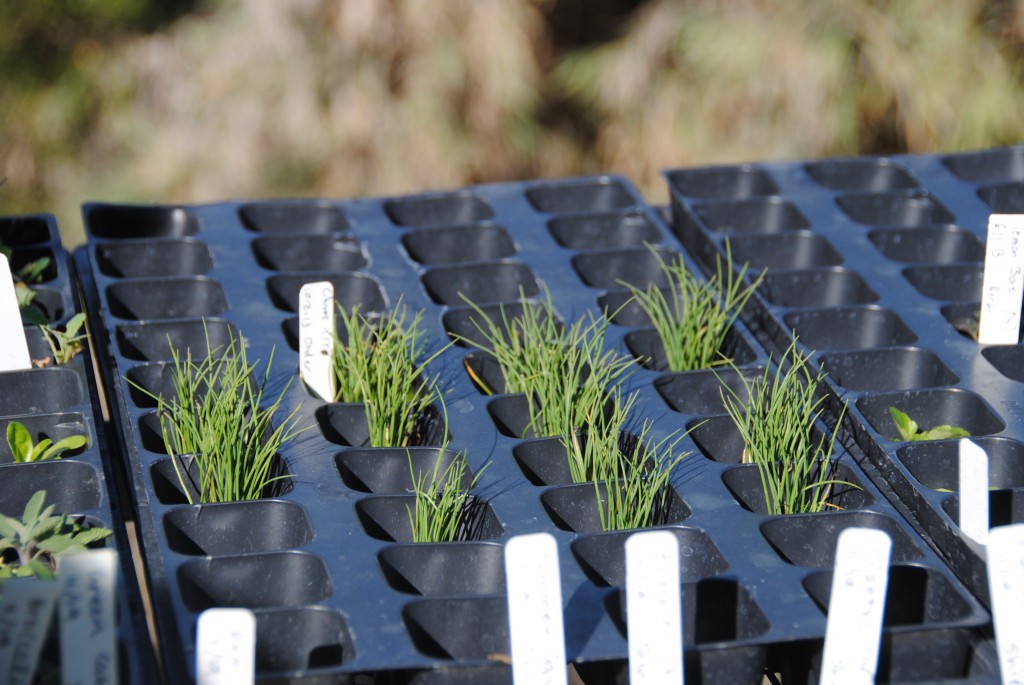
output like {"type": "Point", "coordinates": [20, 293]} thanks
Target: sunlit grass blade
{"type": "Point", "coordinates": [441, 510]}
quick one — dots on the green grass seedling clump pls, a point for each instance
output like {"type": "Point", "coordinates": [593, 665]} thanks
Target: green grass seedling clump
{"type": "Point", "coordinates": [441, 509]}
{"type": "Point", "coordinates": [694, 318]}
{"type": "Point", "coordinates": [382, 364]}
{"type": "Point", "coordinates": [776, 420]}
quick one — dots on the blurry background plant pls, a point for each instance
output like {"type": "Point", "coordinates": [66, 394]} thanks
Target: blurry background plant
{"type": "Point", "coordinates": [196, 100]}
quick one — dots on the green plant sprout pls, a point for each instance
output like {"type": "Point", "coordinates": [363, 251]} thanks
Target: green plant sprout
{"type": "Point", "coordinates": [909, 431]}
{"type": "Point", "coordinates": [383, 365]}
{"type": "Point", "coordinates": [33, 545]}
{"type": "Point", "coordinates": [440, 511]}
{"type": "Point", "coordinates": [24, 450]}
{"type": "Point", "coordinates": [695, 317]}
{"type": "Point", "coordinates": [68, 343]}
{"type": "Point", "coordinates": [776, 422]}
{"type": "Point", "coordinates": [217, 416]}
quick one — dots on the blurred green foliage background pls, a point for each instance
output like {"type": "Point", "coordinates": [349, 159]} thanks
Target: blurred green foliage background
{"type": "Point", "coordinates": [202, 100]}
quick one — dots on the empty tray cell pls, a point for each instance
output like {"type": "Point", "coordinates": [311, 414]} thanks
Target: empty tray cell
{"type": "Point", "coordinates": [39, 391]}
{"type": "Point", "coordinates": [602, 556]}
{"type": "Point", "coordinates": [988, 166]}
{"type": "Point", "coordinates": [72, 487]}
{"type": "Point", "coordinates": [16, 231]}
{"type": "Point", "coordinates": [169, 488]}
{"type": "Point", "coordinates": [54, 427]}
{"type": "Point", "coordinates": [152, 258]}
{"type": "Point", "coordinates": [744, 482]}
{"type": "Point", "coordinates": [139, 221]}
{"type": "Point", "coordinates": [930, 408]}
{"type": "Point", "coordinates": [485, 372]}
{"type": "Point", "coordinates": [935, 245]}
{"type": "Point", "coordinates": [147, 382]}
{"type": "Point", "coordinates": [237, 527]}
{"type": "Point", "coordinates": [849, 328]}
{"type": "Point", "coordinates": [622, 309]}
{"type": "Point", "coordinates": [277, 579]}
{"type": "Point", "coordinates": [915, 596]}
{"type": "Point", "coordinates": [602, 231]}
{"type": "Point", "coordinates": [948, 282]}
{"type": "Point", "coordinates": [829, 287]}
{"type": "Point", "coordinates": [350, 290]}
{"type": "Point", "coordinates": [718, 438]}
{"type": "Point", "coordinates": [511, 416]}
{"type": "Point", "coordinates": [480, 283]}
{"type": "Point", "coordinates": [722, 183]}
{"type": "Point", "coordinates": [306, 639]}
{"type": "Point", "coordinates": [149, 342]}
{"type": "Point", "coordinates": [459, 627]}
{"type": "Point", "coordinates": [293, 217]}
{"type": "Point", "coordinates": [563, 197]}
{"type": "Point", "coordinates": [463, 324]}
{"type": "Point", "coordinates": [887, 370]}
{"type": "Point", "coordinates": [867, 175]}
{"type": "Point", "coordinates": [309, 253]}
{"type": "Point", "coordinates": [449, 209]}
{"type": "Point", "coordinates": [386, 471]}
{"type": "Point", "coordinates": [1008, 360]}
{"type": "Point", "coordinates": [639, 267]}
{"type": "Point", "coordinates": [700, 392]}
{"type": "Point", "coordinates": [387, 518]}
{"type": "Point", "coordinates": [545, 461]}
{"type": "Point", "coordinates": [461, 568]}
{"type": "Point", "coordinates": [22, 257]}
{"type": "Point", "coordinates": [810, 539]}
{"type": "Point", "coordinates": [575, 507]}
{"type": "Point", "coordinates": [473, 243]}
{"type": "Point", "coordinates": [895, 209]}
{"type": "Point", "coordinates": [771, 215]}
{"type": "Point", "coordinates": [964, 318]}
{"type": "Point", "coordinates": [179, 298]}
{"type": "Point", "coordinates": [344, 423]}
{"type": "Point", "coordinates": [50, 302]}
{"type": "Point", "coordinates": [649, 350]}
{"type": "Point", "coordinates": [1005, 198]}
{"type": "Point", "coordinates": [793, 250]}
{"type": "Point", "coordinates": [1005, 507]}
{"type": "Point", "coordinates": [936, 465]}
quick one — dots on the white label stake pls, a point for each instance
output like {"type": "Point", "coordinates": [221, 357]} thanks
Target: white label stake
{"type": "Point", "coordinates": [535, 610]}
{"type": "Point", "coordinates": [13, 348]}
{"type": "Point", "coordinates": [316, 338]}
{"type": "Point", "coordinates": [88, 636]}
{"type": "Point", "coordinates": [654, 609]}
{"type": "Point", "coordinates": [1003, 281]}
{"type": "Point", "coordinates": [226, 647]}
{"type": "Point", "coordinates": [856, 607]}
{"type": "Point", "coordinates": [1006, 588]}
{"type": "Point", "coordinates": [973, 491]}
{"type": "Point", "coordinates": [26, 605]}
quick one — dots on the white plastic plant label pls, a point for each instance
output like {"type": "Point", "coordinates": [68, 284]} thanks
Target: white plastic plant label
{"type": "Point", "coordinates": [654, 609]}
{"type": "Point", "coordinates": [13, 348]}
{"type": "Point", "coordinates": [1003, 281]}
{"type": "Point", "coordinates": [856, 607]}
{"type": "Point", "coordinates": [26, 605]}
{"type": "Point", "coordinates": [535, 610]}
{"type": "Point", "coordinates": [973, 491]}
{"type": "Point", "coordinates": [316, 338]}
{"type": "Point", "coordinates": [88, 633]}
{"type": "Point", "coordinates": [226, 647]}
{"type": "Point", "coordinates": [1006, 588]}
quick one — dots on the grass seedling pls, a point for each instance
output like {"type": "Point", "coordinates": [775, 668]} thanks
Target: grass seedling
{"type": "Point", "coordinates": [383, 365]}
{"type": "Point", "coordinates": [910, 432]}
{"type": "Point", "coordinates": [217, 415]}
{"type": "Point", "coordinates": [776, 421]}
{"type": "Point", "coordinates": [695, 316]}
{"type": "Point", "coordinates": [69, 342]}
{"type": "Point", "coordinates": [20, 442]}
{"type": "Point", "coordinates": [33, 545]}
{"type": "Point", "coordinates": [440, 512]}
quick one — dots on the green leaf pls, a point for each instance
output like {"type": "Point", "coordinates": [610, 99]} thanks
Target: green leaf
{"type": "Point", "coordinates": [32, 315]}
{"type": "Point", "coordinates": [34, 507]}
{"type": "Point", "coordinates": [943, 432]}
{"type": "Point", "coordinates": [19, 440]}
{"type": "Point", "coordinates": [91, 535]}
{"type": "Point", "coordinates": [58, 544]}
{"type": "Point", "coordinates": [906, 426]}
{"type": "Point", "coordinates": [37, 452]}
{"type": "Point", "coordinates": [66, 445]}
{"type": "Point", "coordinates": [74, 325]}
{"type": "Point", "coordinates": [37, 568]}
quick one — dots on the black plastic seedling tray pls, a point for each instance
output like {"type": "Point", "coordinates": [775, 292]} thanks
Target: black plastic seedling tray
{"type": "Point", "coordinates": [327, 563]}
{"type": "Point", "coordinates": [57, 402]}
{"type": "Point", "coordinates": [876, 264]}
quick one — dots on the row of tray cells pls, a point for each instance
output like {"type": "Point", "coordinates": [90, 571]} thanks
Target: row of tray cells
{"type": "Point", "coordinates": [28, 240]}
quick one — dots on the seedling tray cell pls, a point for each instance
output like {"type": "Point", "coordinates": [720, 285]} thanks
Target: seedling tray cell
{"type": "Point", "coordinates": [331, 547]}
